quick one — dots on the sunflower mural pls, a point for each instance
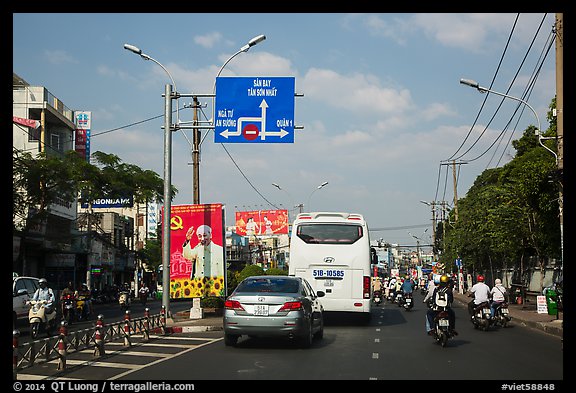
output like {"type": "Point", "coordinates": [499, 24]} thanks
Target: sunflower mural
{"type": "Point", "coordinates": [197, 287]}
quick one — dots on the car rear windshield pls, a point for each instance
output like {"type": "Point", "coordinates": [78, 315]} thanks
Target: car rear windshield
{"type": "Point", "coordinates": [329, 233]}
{"type": "Point", "coordinates": [268, 285]}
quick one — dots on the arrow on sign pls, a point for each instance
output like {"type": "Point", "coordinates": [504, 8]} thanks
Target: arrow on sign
{"type": "Point", "coordinates": [262, 120]}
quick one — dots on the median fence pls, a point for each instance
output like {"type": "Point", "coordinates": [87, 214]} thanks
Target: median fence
{"type": "Point", "coordinates": [58, 347]}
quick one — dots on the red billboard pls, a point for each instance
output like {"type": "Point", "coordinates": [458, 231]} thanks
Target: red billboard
{"type": "Point", "coordinates": [197, 253]}
{"type": "Point", "coordinates": [262, 222]}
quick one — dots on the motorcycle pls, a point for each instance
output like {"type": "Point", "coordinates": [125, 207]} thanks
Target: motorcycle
{"type": "Point", "coordinates": [408, 302]}
{"type": "Point", "coordinates": [399, 298]}
{"type": "Point", "coordinates": [481, 317]}
{"type": "Point", "coordinates": [143, 294]}
{"type": "Point", "coordinates": [124, 300]}
{"type": "Point", "coordinates": [502, 315]}
{"type": "Point", "coordinates": [377, 297]}
{"type": "Point", "coordinates": [441, 332]}
{"type": "Point", "coordinates": [68, 308]}
{"type": "Point", "coordinates": [81, 309]}
{"type": "Point", "coordinates": [39, 319]}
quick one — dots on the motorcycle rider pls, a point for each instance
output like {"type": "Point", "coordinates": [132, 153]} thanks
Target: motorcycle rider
{"type": "Point", "coordinates": [69, 290]}
{"type": "Point", "coordinates": [442, 289]}
{"type": "Point", "coordinates": [87, 294]}
{"type": "Point", "coordinates": [481, 293]}
{"type": "Point", "coordinates": [377, 286]}
{"type": "Point", "coordinates": [45, 293]}
{"type": "Point", "coordinates": [499, 295]}
{"type": "Point", "coordinates": [408, 285]}
{"type": "Point", "coordinates": [392, 288]}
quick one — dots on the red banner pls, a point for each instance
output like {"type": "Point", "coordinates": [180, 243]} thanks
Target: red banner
{"type": "Point", "coordinates": [197, 256]}
{"type": "Point", "coordinates": [26, 122]}
{"type": "Point", "coordinates": [262, 222]}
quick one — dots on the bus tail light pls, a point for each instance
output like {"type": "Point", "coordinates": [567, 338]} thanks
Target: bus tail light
{"type": "Point", "coordinates": [366, 287]}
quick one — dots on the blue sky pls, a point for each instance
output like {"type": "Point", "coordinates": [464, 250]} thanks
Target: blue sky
{"type": "Point", "coordinates": [382, 107]}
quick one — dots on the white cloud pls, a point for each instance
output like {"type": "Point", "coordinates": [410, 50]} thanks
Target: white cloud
{"type": "Point", "coordinates": [59, 57]}
{"type": "Point", "coordinates": [208, 40]}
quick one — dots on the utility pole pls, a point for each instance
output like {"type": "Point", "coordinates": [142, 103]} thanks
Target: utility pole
{"type": "Point", "coordinates": [455, 187]}
{"type": "Point", "coordinates": [560, 123]}
{"type": "Point", "coordinates": [196, 153]}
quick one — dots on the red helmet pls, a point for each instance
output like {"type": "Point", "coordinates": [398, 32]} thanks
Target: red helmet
{"type": "Point", "coordinates": [480, 277]}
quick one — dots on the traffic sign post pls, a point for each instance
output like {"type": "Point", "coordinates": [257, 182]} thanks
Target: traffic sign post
{"type": "Point", "coordinates": [254, 110]}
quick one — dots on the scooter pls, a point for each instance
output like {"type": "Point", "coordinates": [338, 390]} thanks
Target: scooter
{"type": "Point", "coordinates": [81, 309]}
{"type": "Point", "coordinates": [377, 297]}
{"type": "Point", "coordinates": [408, 302]}
{"type": "Point", "coordinates": [441, 332]}
{"type": "Point", "coordinates": [502, 315]}
{"type": "Point", "coordinates": [143, 296]}
{"type": "Point", "coordinates": [124, 300]}
{"type": "Point", "coordinates": [68, 308]}
{"type": "Point", "coordinates": [399, 298]}
{"type": "Point", "coordinates": [39, 319]}
{"type": "Point", "coordinates": [481, 317]}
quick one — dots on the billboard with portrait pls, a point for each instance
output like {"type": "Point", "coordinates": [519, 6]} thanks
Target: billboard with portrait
{"type": "Point", "coordinates": [197, 253]}
{"type": "Point", "coordinates": [262, 222]}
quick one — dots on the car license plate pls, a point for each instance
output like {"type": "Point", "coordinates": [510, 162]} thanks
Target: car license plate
{"type": "Point", "coordinates": [261, 309]}
{"type": "Point", "coordinates": [328, 283]}
{"type": "Point", "coordinates": [443, 322]}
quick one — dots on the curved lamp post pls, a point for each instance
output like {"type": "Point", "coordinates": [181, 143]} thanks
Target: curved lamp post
{"type": "Point", "coordinates": [474, 84]}
{"type": "Point", "coordinates": [167, 179]}
{"type": "Point", "coordinates": [316, 189]}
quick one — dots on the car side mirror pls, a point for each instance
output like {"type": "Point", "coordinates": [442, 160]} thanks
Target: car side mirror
{"type": "Point", "coordinates": [320, 293]}
{"type": "Point", "coordinates": [21, 292]}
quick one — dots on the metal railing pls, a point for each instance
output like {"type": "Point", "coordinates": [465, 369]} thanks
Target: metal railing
{"type": "Point", "coordinates": [57, 347]}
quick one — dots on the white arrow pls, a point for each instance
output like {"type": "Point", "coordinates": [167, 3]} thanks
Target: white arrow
{"type": "Point", "coordinates": [227, 133]}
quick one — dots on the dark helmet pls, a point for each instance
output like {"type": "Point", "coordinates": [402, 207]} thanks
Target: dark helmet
{"type": "Point", "coordinates": [43, 282]}
{"type": "Point", "coordinates": [480, 278]}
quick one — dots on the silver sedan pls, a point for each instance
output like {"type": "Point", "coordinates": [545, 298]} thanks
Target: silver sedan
{"type": "Point", "coordinates": [274, 306]}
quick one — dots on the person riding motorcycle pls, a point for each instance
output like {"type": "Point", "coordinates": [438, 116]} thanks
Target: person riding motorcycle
{"type": "Point", "coordinates": [481, 293]}
{"type": "Point", "coordinates": [45, 293]}
{"type": "Point", "coordinates": [442, 289]}
{"type": "Point", "coordinates": [86, 294]}
{"type": "Point", "coordinates": [68, 291]}
{"type": "Point", "coordinates": [499, 295]}
{"type": "Point", "coordinates": [408, 285]}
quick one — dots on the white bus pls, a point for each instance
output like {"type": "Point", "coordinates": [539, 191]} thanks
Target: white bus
{"type": "Point", "coordinates": [332, 251]}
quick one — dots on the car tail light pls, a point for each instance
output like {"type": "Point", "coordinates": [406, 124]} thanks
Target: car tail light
{"type": "Point", "coordinates": [366, 288]}
{"type": "Point", "coordinates": [291, 306]}
{"type": "Point", "coordinates": [233, 305]}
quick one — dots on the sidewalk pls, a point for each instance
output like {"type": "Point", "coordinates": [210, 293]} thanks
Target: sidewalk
{"type": "Point", "coordinates": [527, 315]}
{"type": "Point", "coordinates": [522, 314]}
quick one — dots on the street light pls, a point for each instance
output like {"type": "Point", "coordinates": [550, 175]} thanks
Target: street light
{"type": "Point", "coordinates": [138, 51]}
{"type": "Point", "coordinates": [474, 84]}
{"type": "Point", "coordinates": [290, 196]}
{"type": "Point", "coordinates": [167, 179]}
{"type": "Point", "coordinates": [316, 189]}
{"type": "Point", "coordinates": [196, 131]}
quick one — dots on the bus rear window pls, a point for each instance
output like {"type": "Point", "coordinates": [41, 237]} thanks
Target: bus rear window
{"type": "Point", "coordinates": [329, 233]}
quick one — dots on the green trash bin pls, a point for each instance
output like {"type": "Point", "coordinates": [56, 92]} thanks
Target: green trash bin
{"type": "Point", "coordinates": [551, 302]}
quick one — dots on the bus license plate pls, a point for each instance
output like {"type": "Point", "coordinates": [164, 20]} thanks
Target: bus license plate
{"type": "Point", "coordinates": [261, 309]}
{"type": "Point", "coordinates": [328, 283]}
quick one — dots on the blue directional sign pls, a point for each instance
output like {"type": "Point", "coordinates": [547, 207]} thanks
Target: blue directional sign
{"type": "Point", "coordinates": [254, 110]}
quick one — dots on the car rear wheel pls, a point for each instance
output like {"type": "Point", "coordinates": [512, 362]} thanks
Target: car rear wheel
{"type": "Point", "coordinates": [230, 340]}
{"type": "Point", "coordinates": [306, 340]}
